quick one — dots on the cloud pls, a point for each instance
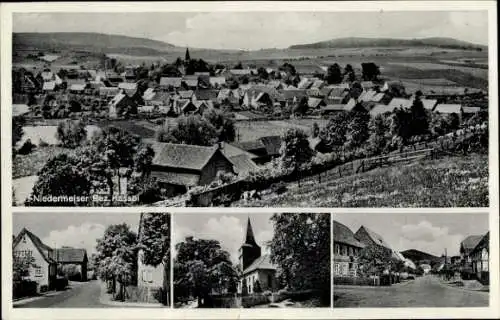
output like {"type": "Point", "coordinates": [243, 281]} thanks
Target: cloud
{"type": "Point", "coordinates": [239, 30]}
{"type": "Point", "coordinates": [426, 237]}
{"type": "Point", "coordinates": [226, 229]}
{"type": "Point", "coordinates": [82, 236]}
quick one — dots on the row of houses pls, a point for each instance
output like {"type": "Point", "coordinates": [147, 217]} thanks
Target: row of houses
{"type": "Point", "coordinates": [474, 253]}
{"type": "Point", "coordinates": [348, 245]}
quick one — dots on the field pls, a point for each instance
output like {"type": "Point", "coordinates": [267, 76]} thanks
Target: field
{"type": "Point", "coordinates": [30, 164]}
{"type": "Point", "coordinates": [251, 130]}
{"type": "Point", "coordinates": [460, 181]}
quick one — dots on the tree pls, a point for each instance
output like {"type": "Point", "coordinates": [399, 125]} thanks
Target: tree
{"type": "Point", "coordinates": [357, 131]}
{"type": "Point", "coordinates": [21, 266]}
{"type": "Point", "coordinates": [18, 123]}
{"type": "Point", "coordinates": [374, 260]}
{"type": "Point", "coordinates": [192, 129]}
{"type": "Point", "coordinates": [71, 133]}
{"type": "Point", "coordinates": [370, 71]}
{"type": "Point", "coordinates": [112, 149]}
{"type": "Point", "coordinates": [238, 66]}
{"type": "Point", "coordinates": [453, 121]}
{"type": "Point", "coordinates": [117, 256]}
{"type": "Point", "coordinates": [349, 71]}
{"type": "Point", "coordinates": [295, 150]}
{"type": "Point", "coordinates": [315, 130]}
{"type": "Point", "coordinates": [288, 68]}
{"type": "Point", "coordinates": [300, 247]}
{"type": "Point", "coordinates": [62, 175]}
{"type": "Point", "coordinates": [154, 239]}
{"type": "Point", "coordinates": [419, 120]}
{"type": "Point", "coordinates": [334, 74]}
{"type": "Point", "coordinates": [334, 133]}
{"type": "Point", "coordinates": [378, 130]}
{"type": "Point", "coordinates": [224, 125]}
{"type": "Point", "coordinates": [262, 72]}
{"type": "Point", "coordinates": [301, 107]}
{"type": "Point", "coordinates": [401, 124]}
{"type": "Point", "coordinates": [202, 265]}
{"type": "Point", "coordinates": [187, 56]}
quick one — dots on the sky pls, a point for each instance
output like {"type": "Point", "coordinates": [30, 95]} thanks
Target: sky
{"type": "Point", "coordinates": [229, 229]}
{"type": "Point", "coordinates": [258, 30]}
{"type": "Point", "coordinates": [430, 233]}
{"type": "Point", "coordinates": [74, 229]}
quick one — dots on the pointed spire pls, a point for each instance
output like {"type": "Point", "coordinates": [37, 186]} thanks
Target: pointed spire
{"type": "Point", "coordinates": [249, 237]}
{"type": "Point", "coordinates": [187, 57]}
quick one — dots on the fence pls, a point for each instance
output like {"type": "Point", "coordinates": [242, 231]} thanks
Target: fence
{"type": "Point", "coordinates": [363, 165]}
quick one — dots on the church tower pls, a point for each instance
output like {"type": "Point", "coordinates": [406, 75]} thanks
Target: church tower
{"type": "Point", "coordinates": [249, 250]}
{"type": "Point", "coordinates": [187, 57]}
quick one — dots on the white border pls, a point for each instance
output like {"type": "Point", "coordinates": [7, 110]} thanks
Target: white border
{"type": "Point", "coordinates": [6, 54]}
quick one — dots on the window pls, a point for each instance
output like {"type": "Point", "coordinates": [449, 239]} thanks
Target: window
{"type": "Point", "coordinates": [351, 251]}
{"type": "Point", "coordinates": [24, 239]}
{"type": "Point", "coordinates": [337, 268]}
{"type": "Point", "coordinates": [38, 271]}
{"type": "Point", "coordinates": [337, 249]}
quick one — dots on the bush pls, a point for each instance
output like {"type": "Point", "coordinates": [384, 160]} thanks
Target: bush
{"type": "Point", "coordinates": [359, 281]}
{"type": "Point", "coordinates": [27, 147]}
{"type": "Point", "coordinates": [24, 289]}
{"type": "Point", "coordinates": [44, 288]}
{"type": "Point", "coordinates": [61, 283]}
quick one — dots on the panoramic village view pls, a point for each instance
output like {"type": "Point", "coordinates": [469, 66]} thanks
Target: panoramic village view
{"type": "Point", "coordinates": [91, 260]}
{"type": "Point", "coordinates": [410, 260]}
{"type": "Point", "coordinates": [258, 260]}
{"type": "Point", "coordinates": [385, 114]}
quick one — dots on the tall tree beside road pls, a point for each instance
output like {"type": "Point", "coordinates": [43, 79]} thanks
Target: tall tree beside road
{"type": "Point", "coordinates": [117, 257]}
{"type": "Point", "coordinates": [301, 248]}
{"type": "Point", "coordinates": [334, 74]}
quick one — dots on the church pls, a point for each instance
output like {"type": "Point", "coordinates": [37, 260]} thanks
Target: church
{"type": "Point", "coordinates": [258, 272]}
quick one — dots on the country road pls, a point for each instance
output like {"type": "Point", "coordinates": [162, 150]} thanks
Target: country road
{"type": "Point", "coordinates": [424, 291]}
{"type": "Point", "coordinates": [78, 295]}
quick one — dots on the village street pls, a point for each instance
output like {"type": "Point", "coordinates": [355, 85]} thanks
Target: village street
{"type": "Point", "coordinates": [78, 295]}
{"type": "Point", "coordinates": [426, 291]}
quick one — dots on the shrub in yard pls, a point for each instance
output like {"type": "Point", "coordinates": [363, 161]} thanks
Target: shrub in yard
{"type": "Point", "coordinates": [27, 147]}
{"type": "Point", "coordinates": [44, 288]}
{"type": "Point", "coordinates": [71, 133]}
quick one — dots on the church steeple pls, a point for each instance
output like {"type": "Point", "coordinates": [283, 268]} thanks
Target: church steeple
{"type": "Point", "coordinates": [249, 250]}
{"type": "Point", "coordinates": [249, 237]}
{"type": "Point", "coordinates": [187, 57]}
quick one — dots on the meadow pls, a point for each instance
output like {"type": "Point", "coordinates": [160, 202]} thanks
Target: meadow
{"type": "Point", "coordinates": [455, 181]}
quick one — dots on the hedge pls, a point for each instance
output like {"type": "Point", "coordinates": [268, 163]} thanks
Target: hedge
{"type": "Point", "coordinates": [24, 288]}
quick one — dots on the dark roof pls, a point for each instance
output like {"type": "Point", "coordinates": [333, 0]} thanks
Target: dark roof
{"type": "Point", "coordinates": [182, 155]}
{"type": "Point", "coordinates": [375, 237]}
{"type": "Point", "coordinates": [206, 94]}
{"type": "Point", "coordinates": [243, 164]}
{"type": "Point", "coordinates": [271, 91]}
{"type": "Point", "coordinates": [261, 263]}
{"type": "Point", "coordinates": [71, 255]}
{"type": "Point", "coordinates": [471, 242]}
{"type": "Point", "coordinates": [170, 81]}
{"type": "Point", "coordinates": [44, 249]}
{"type": "Point", "coordinates": [343, 234]}
{"type": "Point", "coordinates": [483, 243]}
{"type": "Point", "coordinates": [250, 145]}
{"type": "Point", "coordinates": [291, 93]}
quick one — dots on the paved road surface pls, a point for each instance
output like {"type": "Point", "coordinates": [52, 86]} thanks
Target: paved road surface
{"type": "Point", "coordinates": [424, 291]}
{"type": "Point", "coordinates": [80, 295]}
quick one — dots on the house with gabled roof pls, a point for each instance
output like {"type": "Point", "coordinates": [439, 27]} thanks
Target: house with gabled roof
{"type": "Point", "coordinates": [257, 269]}
{"type": "Point", "coordinates": [179, 167]}
{"type": "Point", "coordinates": [170, 82]}
{"type": "Point", "coordinates": [346, 249]}
{"type": "Point", "coordinates": [370, 238]}
{"type": "Point", "coordinates": [43, 268]}
{"type": "Point", "coordinates": [480, 257]}
{"type": "Point", "coordinates": [265, 148]}
{"type": "Point", "coordinates": [73, 256]}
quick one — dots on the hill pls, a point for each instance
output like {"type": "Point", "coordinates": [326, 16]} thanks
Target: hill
{"type": "Point", "coordinates": [354, 42]}
{"type": "Point", "coordinates": [88, 41]}
{"type": "Point", "coordinates": [417, 255]}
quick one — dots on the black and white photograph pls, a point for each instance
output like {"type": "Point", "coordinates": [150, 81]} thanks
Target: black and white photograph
{"type": "Point", "coordinates": [254, 260]}
{"type": "Point", "coordinates": [91, 260]}
{"type": "Point", "coordinates": [250, 109]}
{"type": "Point", "coordinates": [411, 260]}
